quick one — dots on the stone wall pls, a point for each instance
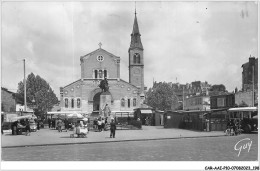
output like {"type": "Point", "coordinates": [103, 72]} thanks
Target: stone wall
{"type": "Point", "coordinates": [86, 90]}
{"type": "Point", "coordinates": [244, 97]}
{"type": "Point", "coordinates": [8, 102]}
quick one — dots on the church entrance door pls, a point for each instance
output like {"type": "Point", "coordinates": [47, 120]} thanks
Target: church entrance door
{"type": "Point", "coordinates": [96, 102]}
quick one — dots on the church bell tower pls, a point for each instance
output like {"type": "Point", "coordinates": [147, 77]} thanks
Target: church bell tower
{"type": "Point", "coordinates": [136, 58]}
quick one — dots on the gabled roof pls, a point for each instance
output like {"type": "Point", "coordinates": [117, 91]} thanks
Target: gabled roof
{"type": "Point", "coordinates": [128, 83]}
{"type": "Point", "coordinates": [71, 83]}
{"type": "Point", "coordinates": [100, 49]}
{"type": "Point", "coordinates": [5, 89]}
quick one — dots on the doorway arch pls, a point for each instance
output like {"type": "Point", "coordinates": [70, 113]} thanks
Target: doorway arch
{"type": "Point", "coordinates": [96, 101]}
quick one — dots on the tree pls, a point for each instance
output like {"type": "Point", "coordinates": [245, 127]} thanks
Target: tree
{"type": "Point", "coordinates": [219, 87]}
{"type": "Point", "coordinates": [39, 94]}
{"type": "Point", "coordinates": [162, 97]}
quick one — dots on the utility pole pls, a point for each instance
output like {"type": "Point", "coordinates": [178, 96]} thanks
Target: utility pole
{"type": "Point", "coordinates": [24, 82]}
{"type": "Point", "coordinates": [183, 98]}
{"type": "Point", "coordinates": [253, 92]}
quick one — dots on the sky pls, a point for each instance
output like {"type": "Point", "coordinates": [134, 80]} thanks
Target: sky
{"type": "Point", "coordinates": [183, 41]}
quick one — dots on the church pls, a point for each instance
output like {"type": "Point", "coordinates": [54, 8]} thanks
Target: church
{"type": "Point", "coordinates": [84, 95]}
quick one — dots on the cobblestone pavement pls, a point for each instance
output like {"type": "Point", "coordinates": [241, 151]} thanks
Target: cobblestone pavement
{"type": "Point", "coordinates": [183, 149]}
{"type": "Point", "coordinates": [51, 137]}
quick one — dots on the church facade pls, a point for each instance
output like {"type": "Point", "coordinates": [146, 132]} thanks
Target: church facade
{"type": "Point", "coordinates": [83, 95]}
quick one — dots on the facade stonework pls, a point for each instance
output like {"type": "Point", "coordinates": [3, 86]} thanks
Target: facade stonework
{"type": "Point", "coordinates": [246, 98]}
{"type": "Point", "coordinates": [197, 103]}
{"type": "Point", "coordinates": [226, 100]}
{"type": "Point", "coordinates": [83, 95]}
{"type": "Point", "coordinates": [250, 74]}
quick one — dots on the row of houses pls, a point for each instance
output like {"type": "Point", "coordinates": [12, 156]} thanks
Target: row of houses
{"type": "Point", "coordinates": [223, 99]}
{"type": "Point", "coordinates": [214, 117]}
{"type": "Point", "coordinates": [247, 96]}
{"type": "Point", "coordinates": [207, 110]}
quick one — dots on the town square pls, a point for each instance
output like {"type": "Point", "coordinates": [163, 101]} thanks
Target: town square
{"type": "Point", "coordinates": [133, 81]}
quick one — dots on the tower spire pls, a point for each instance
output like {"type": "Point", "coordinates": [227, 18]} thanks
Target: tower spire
{"type": "Point", "coordinates": [136, 58]}
{"type": "Point", "coordinates": [136, 36]}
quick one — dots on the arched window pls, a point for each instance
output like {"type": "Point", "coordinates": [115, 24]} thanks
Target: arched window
{"type": "Point", "coordinates": [72, 103]}
{"type": "Point", "coordinates": [134, 102]}
{"type": "Point", "coordinates": [128, 102]}
{"type": "Point", "coordinates": [137, 58]}
{"type": "Point", "coordinates": [100, 74]}
{"type": "Point", "coordinates": [96, 73]}
{"type": "Point", "coordinates": [105, 73]}
{"type": "Point", "coordinates": [78, 103]}
{"type": "Point", "coordinates": [123, 102]}
{"type": "Point", "coordinates": [66, 103]}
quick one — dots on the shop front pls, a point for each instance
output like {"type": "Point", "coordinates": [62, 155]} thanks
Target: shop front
{"type": "Point", "coordinates": [146, 116]}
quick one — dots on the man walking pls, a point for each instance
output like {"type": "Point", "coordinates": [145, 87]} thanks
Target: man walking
{"type": "Point", "coordinates": [66, 123]}
{"type": "Point", "coordinates": [112, 128]}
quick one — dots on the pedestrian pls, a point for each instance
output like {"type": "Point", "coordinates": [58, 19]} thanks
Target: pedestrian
{"type": "Point", "coordinates": [112, 129]}
{"type": "Point", "coordinates": [99, 124]}
{"type": "Point", "coordinates": [146, 121]}
{"type": "Point", "coordinates": [105, 124]}
{"type": "Point", "coordinates": [102, 124]}
{"type": "Point", "coordinates": [128, 120]}
{"type": "Point", "coordinates": [49, 122]}
{"type": "Point", "coordinates": [66, 123]}
{"type": "Point", "coordinates": [27, 127]}
{"type": "Point", "coordinates": [53, 123]}
{"type": "Point", "coordinates": [2, 123]}
{"type": "Point", "coordinates": [38, 124]}
{"type": "Point", "coordinates": [95, 124]}
{"type": "Point", "coordinates": [59, 123]}
{"type": "Point", "coordinates": [77, 128]}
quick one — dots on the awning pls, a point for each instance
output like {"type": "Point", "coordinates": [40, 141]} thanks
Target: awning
{"type": "Point", "coordinates": [146, 111]}
{"type": "Point", "coordinates": [22, 117]}
{"type": "Point", "coordinates": [66, 112]}
{"type": "Point", "coordinates": [252, 109]}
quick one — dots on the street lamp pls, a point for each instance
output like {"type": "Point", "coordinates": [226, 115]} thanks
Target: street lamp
{"type": "Point", "coordinates": [48, 91]}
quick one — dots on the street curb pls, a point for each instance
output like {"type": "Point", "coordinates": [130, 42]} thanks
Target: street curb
{"type": "Point", "coordinates": [97, 142]}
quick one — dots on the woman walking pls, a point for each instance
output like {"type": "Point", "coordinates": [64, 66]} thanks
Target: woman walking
{"type": "Point", "coordinates": [59, 123]}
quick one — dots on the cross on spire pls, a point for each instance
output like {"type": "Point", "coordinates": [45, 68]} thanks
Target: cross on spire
{"type": "Point", "coordinates": [135, 7]}
{"type": "Point", "coordinates": [100, 44]}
